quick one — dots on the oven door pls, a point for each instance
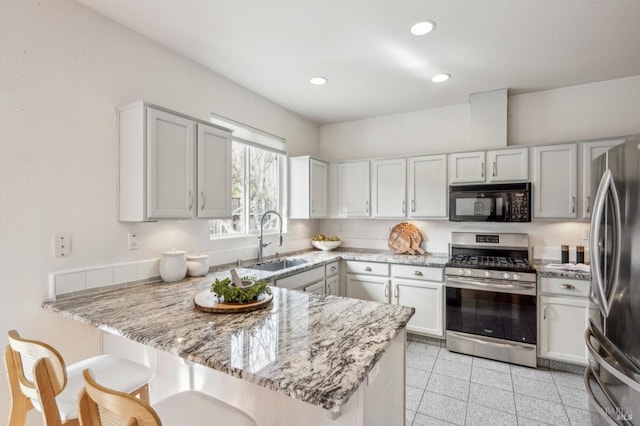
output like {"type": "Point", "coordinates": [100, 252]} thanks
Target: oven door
{"type": "Point", "coordinates": [504, 310]}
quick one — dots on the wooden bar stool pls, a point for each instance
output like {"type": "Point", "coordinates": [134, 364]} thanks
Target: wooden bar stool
{"type": "Point", "coordinates": [38, 378]}
{"type": "Point", "coordinates": [102, 406]}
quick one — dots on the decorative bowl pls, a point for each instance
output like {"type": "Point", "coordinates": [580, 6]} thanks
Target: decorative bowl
{"type": "Point", "coordinates": [326, 245]}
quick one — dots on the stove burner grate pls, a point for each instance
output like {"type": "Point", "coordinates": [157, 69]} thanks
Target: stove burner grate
{"type": "Point", "coordinates": [490, 262]}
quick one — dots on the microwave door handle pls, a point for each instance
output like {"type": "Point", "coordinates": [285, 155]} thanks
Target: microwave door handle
{"type": "Point", "coordinates": [597, 217]}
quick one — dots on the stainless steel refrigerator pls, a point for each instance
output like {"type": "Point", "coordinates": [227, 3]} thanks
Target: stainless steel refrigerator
{"type": "Point", "coordinates": [612, 378]}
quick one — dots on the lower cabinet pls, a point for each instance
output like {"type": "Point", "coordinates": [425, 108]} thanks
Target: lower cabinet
{"type": "Point", "coordinates": [563, 315]}
{"type": "Point", "coordinates": [419, 287]}
{"type": "Point", "coordinates": [317, 287]}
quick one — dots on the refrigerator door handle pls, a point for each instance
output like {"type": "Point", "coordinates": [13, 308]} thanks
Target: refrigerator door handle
{"type": "Point", "coordinates": [629, 374]}
{"type": "Point", "coordinates": [604, 414]}
{"type": "Point", "coordinates": [607, 186]}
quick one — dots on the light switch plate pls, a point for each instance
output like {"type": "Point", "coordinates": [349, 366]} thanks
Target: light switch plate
{"type": "Point", "coordinates": [62, 244]}
{"type": "Point", "coordinates": [132, 241]}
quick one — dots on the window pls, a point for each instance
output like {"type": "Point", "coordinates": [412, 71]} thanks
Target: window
{"type": "Point", "coordinates": [257, 176]}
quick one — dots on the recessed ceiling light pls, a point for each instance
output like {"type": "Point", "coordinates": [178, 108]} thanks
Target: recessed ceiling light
{"type": "Point", "coordinates": [422, 28]}
{"type": "Point", "coordinates": [439, 78]}
{"type": "Point", "coordinates": [318, 81]}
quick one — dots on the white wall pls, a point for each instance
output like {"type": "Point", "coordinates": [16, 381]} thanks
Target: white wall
{"type": "Point", "coordinates": [63, 71]}
{"type": "Point", "coordinates": [594, 111]}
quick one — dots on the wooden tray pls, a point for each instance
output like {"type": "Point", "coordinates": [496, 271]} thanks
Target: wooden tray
{"type": "Point", "coordinates": [399, 241]}
{"type": "Point", "coordinates": [206, 301]}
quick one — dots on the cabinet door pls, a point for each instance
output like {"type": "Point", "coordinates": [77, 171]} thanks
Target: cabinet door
{"type": "Point", "coordinates": [170, 171]}
{"type": "Point", "coordinates": [590, 151]}
{"type": "Point", "coordinates": [317, 288]}
{"type": "Point", "coordinates": [353, 189]}
{"type": "Point", "coordinates": [466, 167]}
{"type": "Point", "coordinates": [332, 285]}
{"type": "Point", "coordinates": [388, 188]}
{"type": "Point", "coordinates": [214, 172]}
{"type": "Point", "coordinates": [562, 325]}
{"type": "Point", "coordinates": [366, 287]}
{"type": "Point", "coordinates": [428, 186]}
{"type": "Point", "coordinates": [508, 165]}
{"type": "Point", "coordinates": [318, 188]}
{"type": "Point", "coordinates": [555, 181]}
{"type": "Point", "coordinates": [428, 300]}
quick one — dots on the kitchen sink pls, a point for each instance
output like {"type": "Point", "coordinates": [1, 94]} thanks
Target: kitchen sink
{"type": "Point", "coordinates": [278, 265]}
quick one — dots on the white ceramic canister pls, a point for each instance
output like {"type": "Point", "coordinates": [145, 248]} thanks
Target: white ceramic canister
{"type": "Point", "coordinates": [197, 265]}
{"type": "Point", "coordinates": [173, 265]}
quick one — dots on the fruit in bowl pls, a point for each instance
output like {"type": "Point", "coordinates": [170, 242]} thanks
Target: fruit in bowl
{"type": "Point", "coordinates": [325, 243]}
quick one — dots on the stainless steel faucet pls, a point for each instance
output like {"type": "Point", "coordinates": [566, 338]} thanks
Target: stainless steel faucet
{"type": "Point", "coordinates": [262, 244]}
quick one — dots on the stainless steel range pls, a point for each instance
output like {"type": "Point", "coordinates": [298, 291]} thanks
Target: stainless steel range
{"type": "Point", "coordinates": [491, 297]}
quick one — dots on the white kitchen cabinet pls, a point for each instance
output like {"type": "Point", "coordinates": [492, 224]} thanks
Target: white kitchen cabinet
{"type": "Point", "coordinates": [158, 166]}
{"type": "Point", "coordinates": [507, 165]}
{"type": "Point", "coordinates": [563, 315]}
{"type": "Point", "coordinates": [422, 288]}
{"type": "Point", "coordinates": [590, 151]}
{"type": "Point", "coordinates": [467, 167]}
{"type": "Point", "coordinates": [214, 172]}
{"type": "Point", "coordinates": [428, 191]}
{"type": "Point", "coordinates": [555, 181]}
{"type": "Point", "coordinates": [354, 189]}
{"type": "Point", "coordinates": [317, 287]}
{"type": "Point", "coordinates": [388, 188]}
{"type": "Point", "coordinates": [307, 188]}
{"type": "Point", "coordinates": [369, 287]}
{"type": "Point", "coordinates": [302, 279]}
{"type": "Point", "coordinates": [332, 278]}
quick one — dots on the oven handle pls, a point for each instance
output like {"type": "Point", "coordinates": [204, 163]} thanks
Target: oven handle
{"type": "Point", "coordinates": [492, 343]}
{"type": "Point", "coordinates": [493, 285]}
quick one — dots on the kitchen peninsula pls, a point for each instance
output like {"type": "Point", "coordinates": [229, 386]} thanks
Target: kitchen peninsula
{"type": "Point", "coordinates": [307, 359]}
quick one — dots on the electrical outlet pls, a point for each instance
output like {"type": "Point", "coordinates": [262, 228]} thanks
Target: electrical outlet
{"type": "Point", "coordinates": [132, 241]}
{"type": "Point", "coordinates": [63, 244]}
{"type": "Point", "coordinates": [585, 234]}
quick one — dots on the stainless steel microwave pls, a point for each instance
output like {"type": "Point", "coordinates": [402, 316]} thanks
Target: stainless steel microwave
{"type": "Point", "coordinates": [504, 202]}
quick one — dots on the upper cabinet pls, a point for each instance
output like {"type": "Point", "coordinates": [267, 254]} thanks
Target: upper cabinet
{"type": "Point", "coordinates": [427, 179]}
{"type": "Point", "coordinates": [214, 172]}
{"type": "Point", "coordinates": [307, 188]}
{"type": "Point", "coordinates": [158, 173]}
{"type": "Point", "coordinates": [466, 167]}
{"type": "Point", "coordinates": [555, 181]}
{"type": "Point", "coordinates": [504, 165]}
{"type": "Point", "coordinates": [591, 150]}
{"type": "Point", "coordinates": [388, 188]}
{"type": "Point", "coordinates": [353, 189]}
{"type": "Point", "coordinates": [507, 165]}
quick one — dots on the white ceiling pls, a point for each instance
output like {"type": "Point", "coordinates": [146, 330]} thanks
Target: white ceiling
{"type": "Point", "coordinates": [374, 66]}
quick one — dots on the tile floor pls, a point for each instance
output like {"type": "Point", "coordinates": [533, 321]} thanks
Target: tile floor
{"type": "Point", "coordinates": [446, 388]}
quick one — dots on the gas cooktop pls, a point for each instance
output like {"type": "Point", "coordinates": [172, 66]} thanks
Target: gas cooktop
{"type": "Point", "coordinates": [490, 262]}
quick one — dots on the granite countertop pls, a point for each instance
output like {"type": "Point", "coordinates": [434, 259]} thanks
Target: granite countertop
{"type": "Point", "coordinates": [315, 348]}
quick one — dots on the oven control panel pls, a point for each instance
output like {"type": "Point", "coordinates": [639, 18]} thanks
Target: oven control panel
{"type": "Point", "coordinates": [487, 238]}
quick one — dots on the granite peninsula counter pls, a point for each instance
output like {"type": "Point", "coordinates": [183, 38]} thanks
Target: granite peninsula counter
{"type": "Point", "coordinates": [325, 351]}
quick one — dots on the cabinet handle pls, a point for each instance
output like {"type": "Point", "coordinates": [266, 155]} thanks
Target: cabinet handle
{"type": "Point", "coordinates": [386, 290]}
{"type": "Point", "coordinates": [367, 206]}
{"type": "Point", "coordinates": [495, 169]}
{"type": "Point", "coordinates": [567, 286]}
{"type": "Point", "coordinates": [203, 200]}
{"type": "Point", "coordinates": [328, 289]}
{"type": "Point", "coordinates": [190, 200]}
{"type": "Point", "coordinates": [419, 273]}
{"type": "Point", "coordinates": [403, 203]}
{"type": "Point", "coordinates": [573, 204]}
{"type": "Point", "coordinates": [413, 206]}
{"type": "Point", "coordinates": [544, 311]}
{"type": "Point", "coordinates": [482, 169]}
{"type": "Point", "coordinates": [396, 292]}
{"type": "Point", "coordinates": [367, 268]}
{"type": "Point", "coordinates": [333, 269]}
{"type": "Point", "coordinates": [588, 204]}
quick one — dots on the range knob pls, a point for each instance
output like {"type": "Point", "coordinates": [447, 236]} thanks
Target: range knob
{"type": "Point", "coordinates": [516, 277]}
{"type": "Point", "coordinates": [506, 276]}
{"type": "Point", "coordinates": [487, 274]}
{"type": "Point", "coordinates": [469, 272]}
{"type": "Point", "coordinates": [460, 271]}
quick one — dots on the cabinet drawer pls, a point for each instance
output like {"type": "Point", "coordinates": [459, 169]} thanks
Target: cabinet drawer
{"type": "Point", "coordinates": [301, 280]}
{"type": "Point", "coordinates": [369, 268]}
{"type": "Point", "coordinates": [331, 269]}
{"type": "Point", "coordinates": [418, 272]}
{"type": "Point", "coordinates": [564, 286]}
